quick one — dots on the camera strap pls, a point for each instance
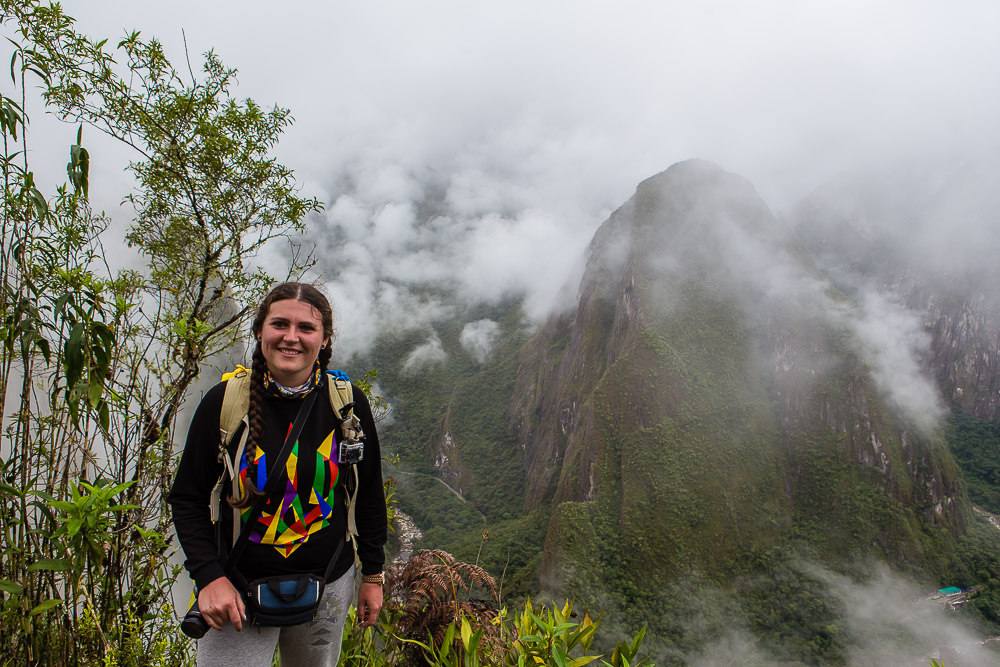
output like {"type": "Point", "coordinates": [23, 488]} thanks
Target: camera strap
{"type": "Point", "coordinates": [274, 475]}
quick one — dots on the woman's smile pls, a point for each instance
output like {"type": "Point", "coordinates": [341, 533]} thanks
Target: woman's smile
{"type": "Point", "coordinates": [290, 340]}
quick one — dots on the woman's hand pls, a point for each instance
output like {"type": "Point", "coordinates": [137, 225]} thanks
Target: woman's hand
{"type": "Point", "coordinates": [369, 604]}
{"type": "Point", "coordinates": [220, 603]}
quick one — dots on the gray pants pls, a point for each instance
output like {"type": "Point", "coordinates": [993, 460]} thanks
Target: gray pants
{"type": "Point", "coordinates": [314, 643]}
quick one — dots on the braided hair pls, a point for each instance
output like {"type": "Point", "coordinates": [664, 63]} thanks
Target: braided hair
{"type": "Point", "coordinates": [291, 290]}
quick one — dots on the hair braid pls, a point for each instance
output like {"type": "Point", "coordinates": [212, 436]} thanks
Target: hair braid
{"type": "Point", "coordinates": [324, 358]}
{"type": "Point", "coordinates": [255, 418]}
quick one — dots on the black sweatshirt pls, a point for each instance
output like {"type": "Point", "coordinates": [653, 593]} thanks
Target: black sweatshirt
{"type": "Point", "coordinates": [302, 539]}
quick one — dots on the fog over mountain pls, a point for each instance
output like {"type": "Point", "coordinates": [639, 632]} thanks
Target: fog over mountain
{"type": "Point", "coordinates": [478, 147]}
{"type": "Point", "coordinates": [468, 153]}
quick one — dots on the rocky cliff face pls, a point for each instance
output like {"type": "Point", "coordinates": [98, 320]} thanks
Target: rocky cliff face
{"type": "Point", "coordinates": [712, 394]}
{"type": "Point", "coordinates": [937, 254]}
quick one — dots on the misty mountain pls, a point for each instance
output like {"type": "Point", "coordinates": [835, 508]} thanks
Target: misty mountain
{"type": "Point", "coordinates": [731, 394]}
{"type": "Point", "coordinates": [713, 395]}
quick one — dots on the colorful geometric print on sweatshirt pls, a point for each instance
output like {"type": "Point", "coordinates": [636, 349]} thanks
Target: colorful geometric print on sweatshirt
{"type": "Point", "coordinates": [305, 506]}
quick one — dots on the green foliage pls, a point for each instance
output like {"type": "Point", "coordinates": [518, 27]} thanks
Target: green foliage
{"type": "Point", "coordinates": [792, 613]}
{"type": "Point", "coordinates": [549, 637]}
{"type": "Point", "coordinates": [443, 516]}
{"type": "Point", "coordinates": [95, 361]}
{"type": "Point", "coordinates": [459, 648]}
{"type": "Point", "coordinates": [533, 636]}
{"type": "Point", "coordinates": [70, 579]}
{"type": "Point", "coordinates": [975, 444]}
{"type": "Point", "coordinates": [505, 551]}
{"type": "Point", "coordinates": [976, 562]}
{"type": "Point", "coordinates": [376, 646]}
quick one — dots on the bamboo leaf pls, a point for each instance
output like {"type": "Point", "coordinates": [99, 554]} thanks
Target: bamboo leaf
{"type": "Point", "coordinates": [104, 415]}
{"type": "Point", "coordinates": [95, 391]}
{"type": "Point", "coordinates": [45, 606]}
{"type": "Point", "coordinates": [53, 564]}
{"type": "Point", "coordinates": [11, 587]}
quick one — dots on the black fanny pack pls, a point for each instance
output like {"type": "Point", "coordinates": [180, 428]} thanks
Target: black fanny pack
{"type": "Point", "coordinates": [287, 600]}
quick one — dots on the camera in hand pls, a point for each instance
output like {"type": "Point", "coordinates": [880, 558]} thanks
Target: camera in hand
{"type": "Point", "coordinates": [194, 625]}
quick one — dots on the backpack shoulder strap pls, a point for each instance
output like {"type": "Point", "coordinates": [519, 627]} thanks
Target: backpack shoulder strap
{"type": "Point", "coordinates": [341, 391]}
{"type": "Point", "coordinates": [235, 403]}
{"type": "Point", "coordinates": [342, 400]}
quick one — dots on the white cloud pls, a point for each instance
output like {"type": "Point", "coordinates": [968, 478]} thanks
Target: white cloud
{"type": "Point", "coordinates": [429, 353]}
{"type": "Point", "coordinates": [350, 216]}
{"type": "Point", "coordinates": [393, 227]}
{"type": "Point", "coordinates": [893, 342]}
{"type": "Point", "coordinates": [478, 339]}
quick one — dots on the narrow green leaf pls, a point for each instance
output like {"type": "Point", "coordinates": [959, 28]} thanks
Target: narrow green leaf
{"type": "Point", "coordinates": [11, 587]}
{"type": "Point", "coordinates": [449, 635]}
{"type": "Point", "coordinates": [45, 606]}
{"type": "Point", "coordinates": [7, 488]}
{"type": "Point", "coordinates": [540, 623]}
{"type": "Point", "coordinates": [122, 508]}
{"type": "Point", "coordinates": [43, 347]}
{"type": "Point", "coordinates": [104, 415]}
{"type": "Point", "coordinates": [95, 391]}
{"type": "Point", "coordinates": [466, 632]}
{"type": "Point", "coordinates": [54, 564]}
{"type": "Point", "coordinates": [61, 301]}
{"type": "Point", "coordinates": [637, 642]}
{"type": "Point", "coordinates": [115, 490]}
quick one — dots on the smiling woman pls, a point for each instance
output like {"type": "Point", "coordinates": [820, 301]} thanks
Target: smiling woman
{"type": "Point", "coordinates": [289, 533]}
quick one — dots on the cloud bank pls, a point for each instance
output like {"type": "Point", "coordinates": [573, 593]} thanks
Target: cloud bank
{"type": "Point", "coordinates": [477, 147]}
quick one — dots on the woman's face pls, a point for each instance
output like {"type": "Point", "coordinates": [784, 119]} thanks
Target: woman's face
{"type": "Point", "coordinates": [290, 339]}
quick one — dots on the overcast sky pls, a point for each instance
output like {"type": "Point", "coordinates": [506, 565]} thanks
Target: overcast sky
{"type": "Point", "coordinates": [536, 119]}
